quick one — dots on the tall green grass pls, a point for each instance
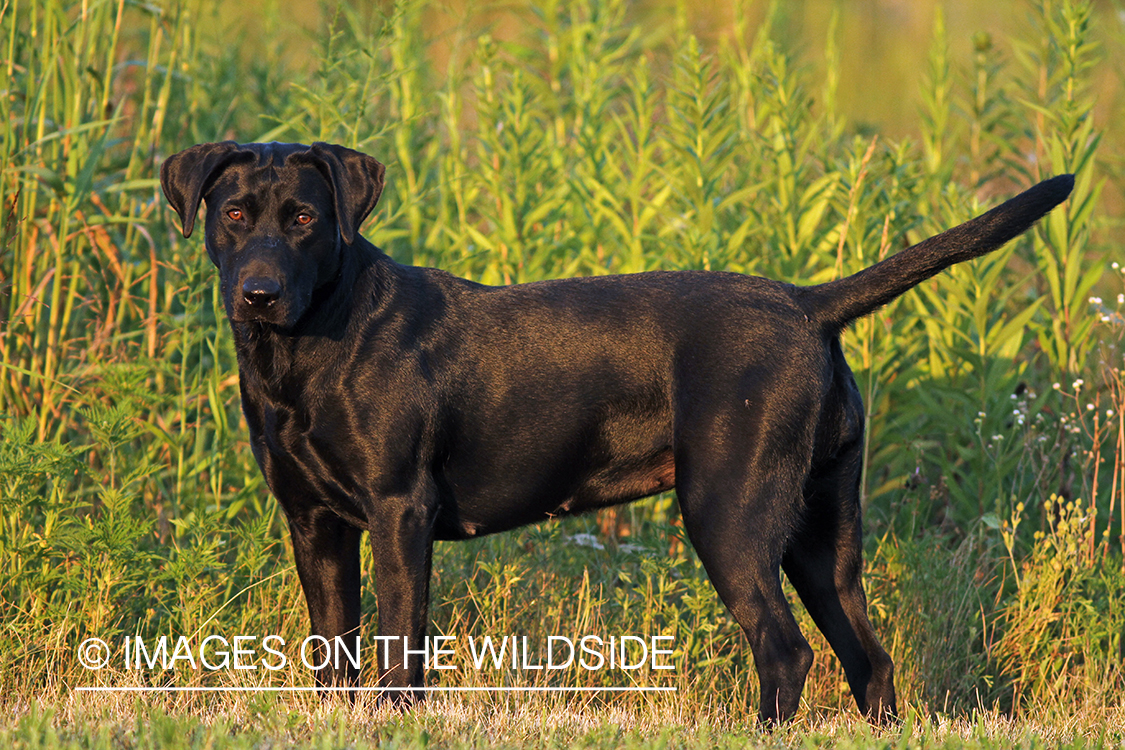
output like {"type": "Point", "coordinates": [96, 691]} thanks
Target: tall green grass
{"type": "Point", "coordinates": [586, 144]}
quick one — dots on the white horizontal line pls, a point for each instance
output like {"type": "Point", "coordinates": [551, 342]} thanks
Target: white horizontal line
{"type": "Point", "coordinates": [202, 689]}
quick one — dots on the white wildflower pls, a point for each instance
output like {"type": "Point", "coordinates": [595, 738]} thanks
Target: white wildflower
{"type": "Point", "coordinates": [586, 540]}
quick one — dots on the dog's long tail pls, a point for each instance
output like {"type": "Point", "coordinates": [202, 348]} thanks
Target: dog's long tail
{"type": "Point", "coordinates": [837, 303]}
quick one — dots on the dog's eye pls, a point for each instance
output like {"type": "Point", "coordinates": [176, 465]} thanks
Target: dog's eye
{"type": "Point", "coordinates": [303, 219]}
{"type": "Point", "coordinates": [235, 214]}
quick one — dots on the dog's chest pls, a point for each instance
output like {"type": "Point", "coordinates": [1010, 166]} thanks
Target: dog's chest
{"type": "Point", "coordinates": [333, 446]}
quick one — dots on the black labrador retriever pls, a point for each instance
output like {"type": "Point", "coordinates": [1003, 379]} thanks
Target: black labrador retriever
{"type": "Point", "coordinates": [419, 406]}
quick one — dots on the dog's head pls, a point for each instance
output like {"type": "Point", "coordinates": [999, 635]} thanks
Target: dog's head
{"type": "Point", "coordinates": [279, 217]}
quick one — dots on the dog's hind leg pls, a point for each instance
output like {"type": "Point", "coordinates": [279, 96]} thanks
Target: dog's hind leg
{"type": "Point", "coordinates": [739, 518]}
{"type": "Point", "coordinates": [746, 573]}
{"type": "Point", "coordinates": [824, 562]}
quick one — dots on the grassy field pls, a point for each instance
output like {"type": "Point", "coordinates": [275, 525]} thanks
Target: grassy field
{"type": "Point", "coordinates": [546, 139]}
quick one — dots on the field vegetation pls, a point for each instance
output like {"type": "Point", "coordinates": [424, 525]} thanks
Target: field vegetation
{"type": "Point", "coordinates": [582, 138]}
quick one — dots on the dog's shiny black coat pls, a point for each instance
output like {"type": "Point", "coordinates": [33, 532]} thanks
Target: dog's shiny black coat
{"type": "Point", "coordinates": [419, 406]}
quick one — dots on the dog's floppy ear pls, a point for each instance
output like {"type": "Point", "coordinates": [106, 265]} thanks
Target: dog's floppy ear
{"type": "Point", "coordinates": [357, 183]}
{"type": "Point", "coordinates": [186, 176]}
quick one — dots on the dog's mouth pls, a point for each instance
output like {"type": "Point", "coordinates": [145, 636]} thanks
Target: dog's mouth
{"type": "Point", "coordinates": [277, 315]}
{"type": "Point", "coordinates": [273, 318]}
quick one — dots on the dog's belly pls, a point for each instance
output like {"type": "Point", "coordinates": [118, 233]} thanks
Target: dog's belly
{"type": "Point", "coordinates": [622, 483]}
{"type": "Point", "coordinates": [548, 484]}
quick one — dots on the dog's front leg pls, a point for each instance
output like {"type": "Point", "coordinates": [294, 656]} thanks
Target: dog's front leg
{"type": "Point", "coordinates": [326, 549]}
{"type": "Point", "coordinates": [402, 537]}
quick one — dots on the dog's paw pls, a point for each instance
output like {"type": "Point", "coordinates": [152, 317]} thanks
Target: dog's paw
{"type": "Point", "coordinates": [400, 701]}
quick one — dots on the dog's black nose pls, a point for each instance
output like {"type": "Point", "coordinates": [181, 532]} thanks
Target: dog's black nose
{"type": "Point", "coordinates": [260, 292]}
